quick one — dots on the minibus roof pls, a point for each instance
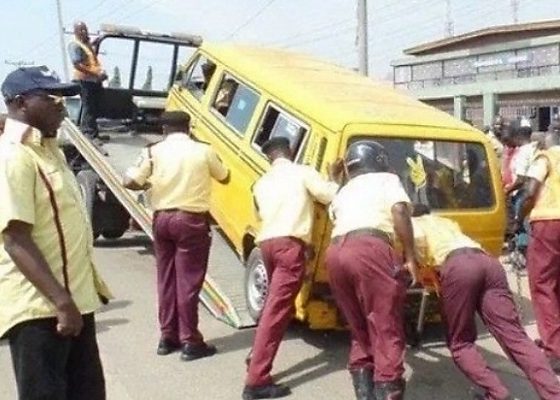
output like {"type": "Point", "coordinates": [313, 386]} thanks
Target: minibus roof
{"type": "Point", "coordinates": [329, 94]}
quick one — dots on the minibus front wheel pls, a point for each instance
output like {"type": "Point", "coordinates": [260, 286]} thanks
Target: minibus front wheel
{"type": "Point", "coordinates": [256, 283]}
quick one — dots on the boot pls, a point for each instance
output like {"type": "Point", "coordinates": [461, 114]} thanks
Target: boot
{"type": "Point", "coordinates": [362, 379]}
{"type": "Point", "coordinates": [390, 390]}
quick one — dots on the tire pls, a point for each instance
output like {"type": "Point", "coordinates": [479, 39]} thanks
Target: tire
{"type": "Point", "coordinates": [87, 179]}
{"type": "Point", "coordinates": [256, 284]}
{"type": "Point", "coordinates": [113, 233]}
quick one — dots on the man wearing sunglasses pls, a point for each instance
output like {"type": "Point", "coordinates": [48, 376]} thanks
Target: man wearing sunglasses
{"type": "Point", "coordinates": [48, 284]}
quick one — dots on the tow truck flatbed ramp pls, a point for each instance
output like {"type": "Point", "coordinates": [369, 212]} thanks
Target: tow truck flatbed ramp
{"type": "Point", "coordinates": [222, 293]}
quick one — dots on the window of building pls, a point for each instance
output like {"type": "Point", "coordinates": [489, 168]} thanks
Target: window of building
{"type": "Point", "coordinates": [235, 102]}
{"type": "Point", "coordinates": [427, 71]}
{"type": "Point", "coordinates": [279, 123]}
{"type": "Point", "coordinates": [459, 67]}
{"type": "Point", "coordinates": [403, 74]}
{"type": "Point", "coordinates": [198, 75]}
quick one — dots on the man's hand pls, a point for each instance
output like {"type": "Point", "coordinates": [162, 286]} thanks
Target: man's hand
{"type": "Point", "coordinates": [69, 319]}
{"type": "Point", "coordinates": [412, 267]}
{"type": "Point", "coordinates": [336, 171]}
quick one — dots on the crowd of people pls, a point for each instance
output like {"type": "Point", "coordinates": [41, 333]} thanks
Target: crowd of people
{"type": "Point", "coordinates": [50, 287]}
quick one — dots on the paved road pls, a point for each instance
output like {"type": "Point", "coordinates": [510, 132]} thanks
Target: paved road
{"type": "Point", "coordinates": [312, 363]}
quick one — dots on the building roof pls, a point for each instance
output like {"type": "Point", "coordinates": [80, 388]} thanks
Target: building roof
{"type": "Point", "coordinates": [498, 33]}
{"type": "Point", "coordinates": [333, 96]}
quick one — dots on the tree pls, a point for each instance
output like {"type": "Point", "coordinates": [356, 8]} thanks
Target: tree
{"type": "Point", "coordinates": [115, 81]}
{"type": "Point", "coordinates": [149, 77]}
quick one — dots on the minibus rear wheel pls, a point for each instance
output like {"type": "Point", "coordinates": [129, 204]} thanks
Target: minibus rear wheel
{"type": "Point", "coordinates": [256, 283]}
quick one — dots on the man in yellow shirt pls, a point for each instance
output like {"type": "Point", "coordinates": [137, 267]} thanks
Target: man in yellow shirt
{"type": "Point", "coordinates": [284, 200]}
{"type": "Point", "coordinates": [366, 275]}
{"type": "Point", "coordinates": [178, 172]}
{"type": "Point", "coordinates": [541, 202]}
{"type": "Point", "coordinates": [48, 284]}
{"type": "Point", "coordinates": [473, 282]}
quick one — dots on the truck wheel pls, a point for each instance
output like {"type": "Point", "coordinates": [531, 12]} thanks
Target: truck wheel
{"type": "Point", "coordinates": [87, 179]}
{"type": "Point", "coordinates": [256, 283]}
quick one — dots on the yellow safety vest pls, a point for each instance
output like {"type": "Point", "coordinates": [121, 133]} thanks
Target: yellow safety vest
{"type": "Point", "coordinates": [547, 206]}
{"type": "Point", "coordinates": [91, 63]}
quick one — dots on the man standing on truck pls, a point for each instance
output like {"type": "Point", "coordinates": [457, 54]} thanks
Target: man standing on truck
{"type": "Point", "coordinates": [48, 284]}
{"type": "Point", "coordinates": [474, 282]}
{"type": "Point", "coordinates": [284, 202]}
{"type": "Point", "coordinates": [366, 275]}
{"type": "Point", "coordinates": [541, 201]}
{"type": "Point", "coordinates": [178, 172]}
{"type": "Point", "coordinates": [89, 73]}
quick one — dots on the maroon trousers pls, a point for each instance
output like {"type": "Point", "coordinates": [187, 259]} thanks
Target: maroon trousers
{"type": "Point", "coordinates": [476, 283]}
{"type": "Point", "coordinates": [284, 259]}
{"type": "Point", "coordinates": [543, 266]}
{"type": "Point", "coordinates": [182, 245]}
{"type": "Point", "coordinates": [365, 277]}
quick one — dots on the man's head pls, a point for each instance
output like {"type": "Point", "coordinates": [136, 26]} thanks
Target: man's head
{"type": "Point", "coordinates": [175, 121]}
{"type": "Point", "coordinates": [277, 147]}
{"type": "Point", "coordinates": [551, 139]}
{"type": "Point", "coordinates": [497, 125]}
{"type": "Point", "coordinates": [81, 31]}
{"type": "Point", "coordinates": [366, 156]}
{"type": "Point", "coordinates": [34, 95]}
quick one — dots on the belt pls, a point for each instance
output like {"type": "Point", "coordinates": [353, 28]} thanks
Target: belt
{"type": "Point", "coordinates": [364, 232]}
{"type": "Point", "coordinates": [173, 210]}
{"type": "Point", "coordinates": [463, 251]}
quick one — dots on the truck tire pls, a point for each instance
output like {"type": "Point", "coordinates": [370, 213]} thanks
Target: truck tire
{"type": "Point", "coordinates": [256, 284]}
{"type": "Point", "coordinates": [113, 233]}
{"type": "Point", "coordinates": [87, 179]}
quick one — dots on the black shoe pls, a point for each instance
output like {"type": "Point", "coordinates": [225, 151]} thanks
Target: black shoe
{"type": "Point", "coordinates": [192, 352]}
{"type": "Point", "coordinates": [270, 391]}
{"type": "Point", "coordinates": [390, 390]}
{"type": "Point", "coordinates": [362, 379]}
{"type": "Point", "coordinates": [166, 347]}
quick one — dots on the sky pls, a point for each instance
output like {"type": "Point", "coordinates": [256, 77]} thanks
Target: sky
{"type": "Point", "coordinates": [324, 28]}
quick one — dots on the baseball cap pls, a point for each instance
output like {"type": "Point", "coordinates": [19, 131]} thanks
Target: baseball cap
{"type": "Point", "coordinates": [28, 79]}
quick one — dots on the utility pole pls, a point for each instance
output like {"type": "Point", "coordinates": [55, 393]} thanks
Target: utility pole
{"type": "Point", "coordinates": [363, 37]}
{"type": "Point", "coordinates": [62, 43]}
{"type": "Point", "coordinates": [449, 28]}
{"type": "Point", "coordinates": [515, 11]}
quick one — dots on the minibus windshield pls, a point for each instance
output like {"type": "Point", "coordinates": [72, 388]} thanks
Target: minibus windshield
{"type": "Point", "coordinates": [441, 174]}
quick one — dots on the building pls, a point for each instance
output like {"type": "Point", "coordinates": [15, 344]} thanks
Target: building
{"type": "Point", "coordinates": [511, 70]}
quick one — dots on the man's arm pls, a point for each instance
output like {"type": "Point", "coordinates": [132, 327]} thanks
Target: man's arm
{"type": "Point", "coordinates": [320, 189]}
{"type": "Point", "coordinates": [136, 178]}
{"type": "Point", "coordinates": [403, 229]}
{"type": "Point", "coordinates": [28, 258]}
{"type": "Point", "coordinates": [218, 170]}
{"type": "Point", "coordinates": [528, 199]}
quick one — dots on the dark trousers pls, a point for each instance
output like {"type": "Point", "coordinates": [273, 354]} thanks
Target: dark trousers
{"type": "Point", "coordinates": [48, 366]}
{"type": "Point", "coordinates": [476, 283]}
{"type": "Point", "coordinates": [543, 267]}
{"type": "Point", "coordinates": [366, 279]}
{"type": "Point", "coordinates": [284, 259]}
{"type": "Point", "coordinates": [91, 95]}
{"type": "Point", "coordinates": [182, 245]}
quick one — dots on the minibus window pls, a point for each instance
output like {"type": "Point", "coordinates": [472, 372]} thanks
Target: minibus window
{"type": "Point", "coordinates": [277, 123]}
{"type": "Point", "coordinates": [441, 174]}
{"type": "Point", "coordinates": [236, 103]}
{"type": "Point", "coordinates": [199, 75]}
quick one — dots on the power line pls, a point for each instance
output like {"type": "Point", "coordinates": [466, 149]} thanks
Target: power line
{"type": "Point", "coordinates": [250, 19]}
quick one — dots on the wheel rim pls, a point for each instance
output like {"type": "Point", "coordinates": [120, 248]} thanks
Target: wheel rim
{"type": "Point", "coordinates": [257, 287]}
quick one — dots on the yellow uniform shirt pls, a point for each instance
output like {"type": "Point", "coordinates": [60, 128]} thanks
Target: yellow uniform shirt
{"type": "Point", "coordinates": [25, 197]}
{"type": "Point", "coordinates": [546, 169]}
{"type": "Point", "coordinates": [284, 198]}
{"type": "Point", "coordinates": [436, 237]}
{"type": "Point", "coordinates": [366, 202]}
{"type": "Point", "coordinates": [179, 171]}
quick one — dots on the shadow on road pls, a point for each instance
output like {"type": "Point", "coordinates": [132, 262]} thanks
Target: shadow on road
{"type": "Point", "coordinates": [131, 240]}
{"type": "Point", "coordinates": [103, 325]}
{"type": "Point", "coordinates": [114, 305]}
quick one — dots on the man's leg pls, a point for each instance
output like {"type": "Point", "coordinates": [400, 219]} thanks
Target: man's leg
{"type": "Point", "coordinates": [191, 262]}
{"type": "Point", "coordinates": [285, 283]}
{"type": "Point", "coordinates": [85, 373]}
{"type": "Point", "coordinates": [90, 108]}
{"type": "Point", "coordinates": [39, 357]}
{"type": "Point", "coordinates": [543, 267]}
{"type": "Point", "coordinates": [463, 282]}
{"type": "Point", "coordinates": [166, 279]}
{"type": "Point", "coordinates": [500, 316]}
